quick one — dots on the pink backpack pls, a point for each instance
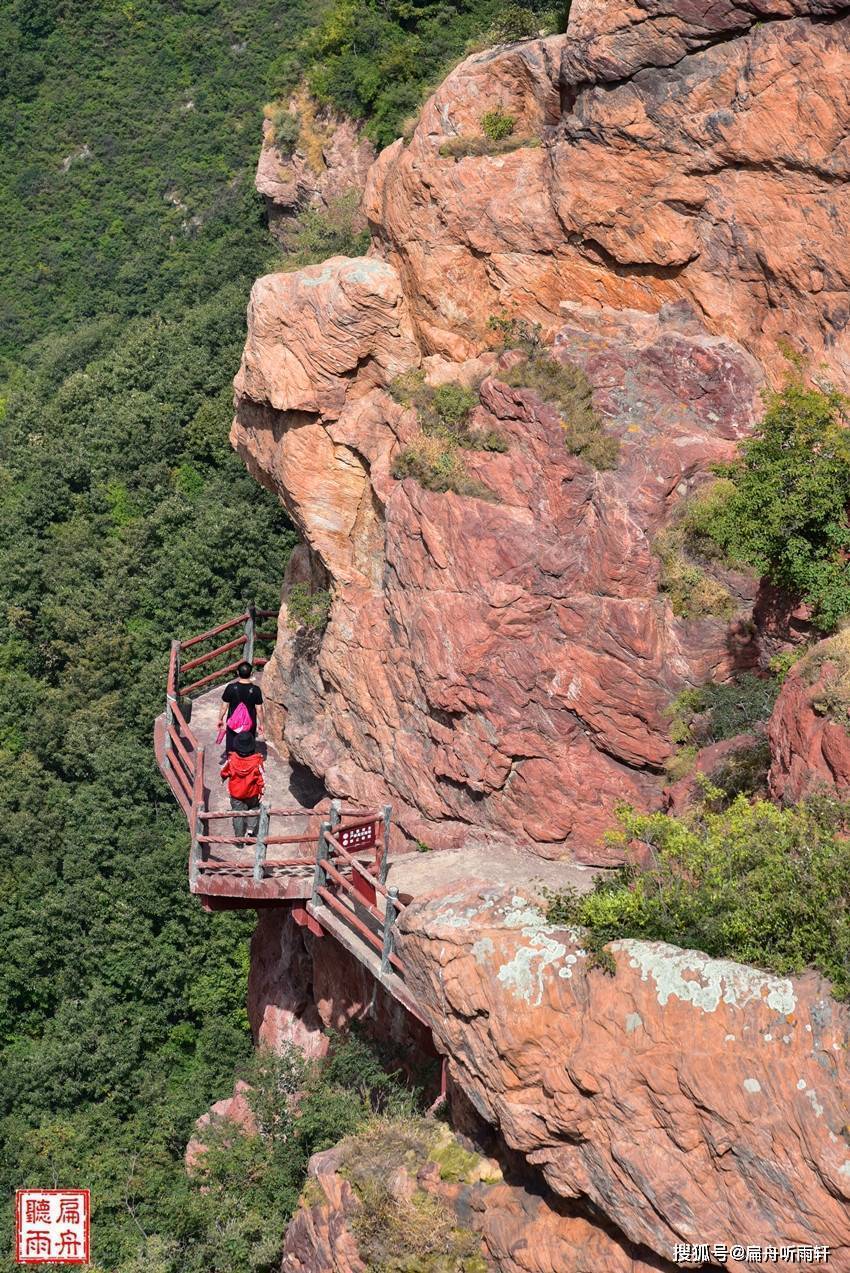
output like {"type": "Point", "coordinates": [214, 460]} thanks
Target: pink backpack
{"type": "Point", "coordinates": [240, 719]}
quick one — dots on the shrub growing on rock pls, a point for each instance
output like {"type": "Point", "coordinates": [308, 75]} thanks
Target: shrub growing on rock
{"type": "Point", "coordinates": [399, 1231]}
{"type": "Point", "coordinates": [317, 234]}
{"type": "Point", "coordinates": [462, 147]}
{"type": "Point", "coordinates": [751, 882]}
{"type": "Point", "coordinates": [378, 62]}
{"type": "Point", "coordinates": [452, 405]}
{"type": "Point", "coordinates": [712, 712]}
{"type": "Point", "coordinates": [783, 507]}
{"type": "Point", "coordinates": [306, 609]}
{"type": "Point", "coordinates": [516, 333]}
{"type": "Point", "coordinates": [829, 663]}
{"type": "Point", "coordinates": [566, 387]}
{"type": "Point", "coordinates": [438, 467]}
{"type": "Point", "coordinates": [497, 124]}
{"type": "Point", "coordinates": [692, 592]}
{"type": "Point", "coordinates": [245, 1185]}
{"type": "Point", "coordinates": [434, 458]}
{"type": "Point", "coordinates": [515, 22]}
{"type": "Point", "coordinates": [286, 128]}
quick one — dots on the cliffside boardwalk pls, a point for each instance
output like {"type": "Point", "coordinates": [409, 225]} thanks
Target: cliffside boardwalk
{"type": "Point", "coordinates": [334, 872]}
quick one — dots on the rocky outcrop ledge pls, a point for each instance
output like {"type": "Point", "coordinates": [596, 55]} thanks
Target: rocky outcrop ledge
{"type": "Point", "coordinates": [684, 1099]}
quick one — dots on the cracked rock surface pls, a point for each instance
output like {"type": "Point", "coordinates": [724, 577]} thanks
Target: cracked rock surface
{"type": "Point", "coordinates": [687, 1099]}
{"type": "Point", "coordinates": [500, 670]}
{"type": "Point", "coordinates": [693, 151]}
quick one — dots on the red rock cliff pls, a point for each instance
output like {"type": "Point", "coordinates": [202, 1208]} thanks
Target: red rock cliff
{"type": "Point", "coordinates": [693, 151]}
{"type": "Point", "coordinates": [500, 669]}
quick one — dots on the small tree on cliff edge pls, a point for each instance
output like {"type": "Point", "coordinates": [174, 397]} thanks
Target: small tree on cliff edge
{"type": "Point", "coordinates": [782, 506]}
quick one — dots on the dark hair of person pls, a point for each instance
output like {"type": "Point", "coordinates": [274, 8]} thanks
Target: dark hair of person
{"type": "Point", "coordinates": [244, 670]}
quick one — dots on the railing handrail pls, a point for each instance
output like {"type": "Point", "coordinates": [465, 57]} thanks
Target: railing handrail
{"type": "Point", "coordinates": [296, 812]}
{"type": "Point", "coordinates": [213, 654]}
{"type": "Point", "coordinates": [184, 756]}
{"type": "Point", "coordinates": [246, 640]}
{"type": "Point", "coordinates": [205, 636]}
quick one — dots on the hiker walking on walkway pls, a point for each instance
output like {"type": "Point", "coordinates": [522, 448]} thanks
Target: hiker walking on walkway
{"type": "Point", "coordinates": [243, 770]}
{"type": "Point", "coordinates": [241, 707]}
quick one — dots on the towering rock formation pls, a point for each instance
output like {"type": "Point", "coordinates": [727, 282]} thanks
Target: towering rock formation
{"type": "Point", "coordinates": [671, 204]}
{"type": "Point", "coordinates": [693, 151]}
{"type": "Point", "coordinates": [328, 163]}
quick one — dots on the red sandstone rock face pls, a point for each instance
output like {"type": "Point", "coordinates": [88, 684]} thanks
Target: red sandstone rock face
{"type": "Point", "coordinates": [300, 986]}
{"type": "Point", "coordinates": [500, 670]}
{"type": "Point", "coordinates": [687, 1099]}
{"type": "Point", "coordinates": [496, 668]}
{"type": "Point", "coordinates": [281, 1007]}
{"type": "Point", "coordinates": [610, 40]}
{"type": "Point", "coordinates": [809, 739]}
{"type": "Point", "coordinates": [334, 164]}
{"type": "Point", "coordinates": [319, 1237]}
{"type": "Point", "coordinates": [713, 125]}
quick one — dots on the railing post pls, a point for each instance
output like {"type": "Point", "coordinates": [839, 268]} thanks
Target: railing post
{"type": "Point", "coordinates": [260, 846]}
{"type": "Point", "coordinates": [384, 864]}
{"type": "Point", "coordinates": [321, 857]}
{"type": "Point", "coordinates": [198, 852]}
{"type": "Point", "coordinates": [175, 653]}
{"type": "Point", "coordinates": [169, 722]}
{"type": "Point", "coordinates": [250, 632]}
{"type": "Point", "coordinates": [390, 915]}
{"type": "Point", "coordinates": [171, 698]}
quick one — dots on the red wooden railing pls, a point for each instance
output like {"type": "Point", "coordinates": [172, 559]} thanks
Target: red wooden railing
{"type": "Point", "coordinates": [347, 848]}
{"type": "Point", "coordinates": [184, 756]}
{"type": "Point", "coordinates": [339, 873]}
{"type": "Point", "coordinates": [256, 858]}
{"type": "Point", "coordinates": [185, 760]}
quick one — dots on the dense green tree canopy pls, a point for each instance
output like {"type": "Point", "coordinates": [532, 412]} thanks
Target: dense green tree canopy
{"type": "Point", "coordinates": [132, 233]}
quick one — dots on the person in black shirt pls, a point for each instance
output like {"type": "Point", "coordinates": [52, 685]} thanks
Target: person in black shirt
{"type": "Point", "coordinates": [242, 690]}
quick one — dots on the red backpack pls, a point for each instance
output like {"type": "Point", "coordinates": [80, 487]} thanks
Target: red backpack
{"type": "Point", "coordinates": [246, 776]}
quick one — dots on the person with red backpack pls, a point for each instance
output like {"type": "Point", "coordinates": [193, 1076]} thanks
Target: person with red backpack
{"type": "Point", "coordinates": [246, 782]}
{"type": "Point", "coordinates": [241, 707]}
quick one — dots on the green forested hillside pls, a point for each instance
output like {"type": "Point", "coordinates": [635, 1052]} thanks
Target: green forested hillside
{"type": "Point", "coordinates": [131, 235]}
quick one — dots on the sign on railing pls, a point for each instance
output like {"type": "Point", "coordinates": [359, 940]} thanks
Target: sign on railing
{"type": "Point", "coordinates": [350, 888]}
{"type": "Point", "coordinates": [361, 837]}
